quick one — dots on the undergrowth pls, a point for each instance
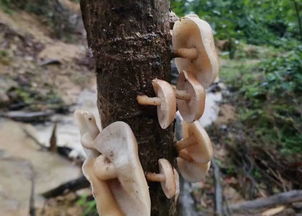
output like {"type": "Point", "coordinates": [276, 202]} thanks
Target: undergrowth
{"type": "Point", "coordinates": [89, 206]}
{"type": "Point", "coordinates": [268, 97]}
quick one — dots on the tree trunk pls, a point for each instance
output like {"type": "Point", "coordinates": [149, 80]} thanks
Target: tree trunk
{"type": "Point", "coordinates": [130, 41]}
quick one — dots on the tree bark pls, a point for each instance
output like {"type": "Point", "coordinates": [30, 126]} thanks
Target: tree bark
{"type": "Point", "coordinates": [130, 42]}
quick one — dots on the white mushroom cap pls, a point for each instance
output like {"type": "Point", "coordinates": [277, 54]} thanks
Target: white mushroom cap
{"type": "Point", "coordinates": [118, 144]}
{"type": "Point", "coordinates": [201, 151]}
{"type": "Point", "coordinates": [192, 109]}
{"type": "Point", "coordinates": [193, 32]}
{"type": "Point", "coordinates": [192, 172]}
{"type": "Point", "coordinates": [169, 184]}
{"type": "Point", "coordinates": [166, 111]}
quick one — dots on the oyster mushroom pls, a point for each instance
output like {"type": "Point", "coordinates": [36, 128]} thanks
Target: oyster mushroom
{"type": "Point", "coordinates": [113, 168]}
{"type": "Point", "coordinates": [194, 49]}
{"type": "Point", "coordinates": [119, 166]}
{"type": "Point", "coordinates": [88, 129]}
{"type": "Point", "coordinates": [164, 100]}
{"type": "Point", "coordinates": [191, 171]}
{"type": "Point", "coordinates": [191, 106]}
{"type": "Point", "coordinates": [165, 177]}
{"type": "Point", "coordinates": [196, 143]}
{"type": "Point", "coordinates": [106, 203]}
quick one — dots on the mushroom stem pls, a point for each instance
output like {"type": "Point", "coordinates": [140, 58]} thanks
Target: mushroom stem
{"type": "Point", "coordinates": [145, 100]}
{"type": "Point", "coordinates": [184, 155]}
{"type": "Point", "coordinates": [182, 95]}
{"type": "Point", "coordinates": [155, 177]}
{"type": "Point", "coordinates": [189, 53]}
{"type": "Point", "coordinates": [184, 143]}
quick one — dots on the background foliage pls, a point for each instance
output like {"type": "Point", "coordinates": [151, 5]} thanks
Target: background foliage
{"type": "Point", "coordinates": [256, 22]}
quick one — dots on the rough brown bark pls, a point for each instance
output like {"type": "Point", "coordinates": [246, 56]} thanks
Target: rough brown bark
{"type": "Point", "coordinates": [130, 42]}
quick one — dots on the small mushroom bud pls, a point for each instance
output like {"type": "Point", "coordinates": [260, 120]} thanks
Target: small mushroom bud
{"type": "Point", "coordinates": [191, 101]}
{"type": "Point", "coordinates": [196, 144]}
{"type": "Point", "coordinates": [165, 177]}
{"type": "Point", "coordinates": [194, 49]}
{"type": "Point", "coordinates": [164, 100]}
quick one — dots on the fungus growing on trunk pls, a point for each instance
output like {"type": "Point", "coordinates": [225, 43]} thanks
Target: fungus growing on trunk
{"type": "Point", "coordinates": [195, 152]}
{"type": "Point", "coordinates": [194, 49]}
{"type": "Point", "coordinates": [113, 168]}
{"type": "Point", "coordinates": [166, 178]}
{"type": "Point", "coordinates": [191, 171]}
{"type": "Point", "coordinates": [106, 203]}
{"type": "Point", "coordinates": [165, 101]}
{"type": "Point", "coordinates": [125, 177]}
{"type": "Point", "coordinates": [196, 143]}
{"type": "Point", "coordinates": [191, 105]}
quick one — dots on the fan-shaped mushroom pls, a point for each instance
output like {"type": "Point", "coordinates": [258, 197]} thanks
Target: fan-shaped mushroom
{"type": "Point", "coordinates": [193, 42]}
{"type": "Point", "coordinates": [125, 175]}
{"type": "Point", "coordinates": [165, 177]}
{"type": "Point", "coordinates": [196, 143]}
{"type": "Point", "coordinates": [191, 171]}
{"type": "Point", "coordinates": [114, 170]}
{"type": "Point", "coordinates": [106, 203]}
{"type": "Point", "coordinates": [191, 105]}
{"type": "Point", "coordinates": [164, 100]}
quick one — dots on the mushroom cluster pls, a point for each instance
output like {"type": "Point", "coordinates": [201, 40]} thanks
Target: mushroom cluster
{"type": "Point", "coordinates": [195, 152]}
{"type": "Point", "coordinates": [197, 62]}
{"type": "Point", "coordinates": [114, 171]}
{"type": "Point", "coordinates": [112, 166]}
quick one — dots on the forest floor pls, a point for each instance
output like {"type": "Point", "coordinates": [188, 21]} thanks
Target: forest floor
{"type": "Point", "coordinates": [44, 75]}
{"type": "Point", "coordinates": [42, 79]}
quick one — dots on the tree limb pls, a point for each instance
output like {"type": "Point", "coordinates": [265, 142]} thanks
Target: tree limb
{"type": "Point", "coordinates": [72, 185]}
{"type": "Point", "coordinates": [218, 190]}
{"type": "Point", "coordinates": [269, 202]}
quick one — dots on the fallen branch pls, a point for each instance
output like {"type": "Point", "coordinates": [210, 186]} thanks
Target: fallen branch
{"type": "Point", "coordinates": [71, 186]}
{"type": "Point", "coordinates": [269, 202]}
{"type": "Point", "coordinates": [28, 116]}
{"type": "Point", "coordinates": [218, 190]}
